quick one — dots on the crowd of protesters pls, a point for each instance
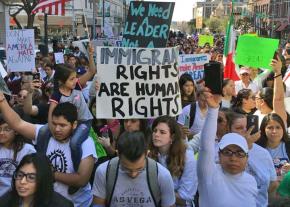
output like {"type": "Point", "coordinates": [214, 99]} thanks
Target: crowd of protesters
{"type": "Point", "coordinates": [215, 160]}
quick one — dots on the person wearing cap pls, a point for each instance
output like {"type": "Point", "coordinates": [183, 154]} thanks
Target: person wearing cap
{"type": "Point", "coordinates": [225, 184]}
{"type": "Point", "coordinates": [246, 81]}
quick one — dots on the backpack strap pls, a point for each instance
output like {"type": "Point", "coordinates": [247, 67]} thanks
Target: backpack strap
{"type": "Point", "coordinates": [152, 180]}
{"type": "Point", "coordinates": [111, 178]}
{"type": "Point", "coordinates": [192, 113]}
{"type": "Point", "coordinates": [43, 138]}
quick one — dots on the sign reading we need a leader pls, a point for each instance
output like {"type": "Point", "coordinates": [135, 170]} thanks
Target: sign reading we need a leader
{"type": "Point", "coordinates": [148, 24]}
{"type": "Point", "coordinates": [20, 50]}
{"type": "Point", "coordinates": [137, 82]}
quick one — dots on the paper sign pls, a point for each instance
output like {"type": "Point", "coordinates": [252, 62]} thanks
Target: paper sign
{"type": "Point", "coordinates": [255, 52]}
{"type": "Point", "coordinates": [193, 64]}
{"type": "Point", "coordinates": [3, 86]}
{"type": "Point", "coordinates": [20, 50]}
{"type": "Point", "coordinates": [148, 24]}
{"type": "Point", "coordinates": [2, 71]}
{"type": "Point", "coordinates": [137, 83]}
{"type": "Point", "coordinates": [58, 57]}
{"type": "Point", "coordinates": [202, 39]}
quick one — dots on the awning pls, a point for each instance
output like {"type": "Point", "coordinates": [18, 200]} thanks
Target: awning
{"type": "Point", "coordinates": [282, 27]}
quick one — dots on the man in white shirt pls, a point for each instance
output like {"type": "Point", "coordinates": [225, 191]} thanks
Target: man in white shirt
{"type": "Point", "coordinates": [57, 149]}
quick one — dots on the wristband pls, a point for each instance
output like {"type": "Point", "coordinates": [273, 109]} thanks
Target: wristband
{"type": "Point", "coordinates": [278, 75]}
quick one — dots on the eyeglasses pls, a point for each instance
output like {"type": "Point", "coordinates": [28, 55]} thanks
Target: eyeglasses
{"type": "Point", "coordinates": [5, 129]}
{"type": "Point", "coordinates": [245, 74]}
{"type": "Point", "coordinates": [252, 97]}
{"type": "Point", "coordinates": [129, 171]}
{"type": "Point", "coordinates": [230, 153]}
{"type": "Point", "coordinates": [30, 177]}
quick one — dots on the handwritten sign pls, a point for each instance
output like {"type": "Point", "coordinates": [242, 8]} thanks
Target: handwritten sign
{"type": "Point", "coordinates": [148, 24]}
{"type": "Point", "coordinates": [20, 50]}
{"type": "Point", "coordinates": [137, 83]}
{"type": "Point", "coordinates": [255, 51]}
{"type": "Point", "coordinates": [58, 57]}
{"type": "Point", "coordinates": [202, 39]}
{"type": "Point", "coordinates": [193, 64]}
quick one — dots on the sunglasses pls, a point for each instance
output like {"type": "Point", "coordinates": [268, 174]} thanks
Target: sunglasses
{"type": "Point", "coordinates": [230, 153]}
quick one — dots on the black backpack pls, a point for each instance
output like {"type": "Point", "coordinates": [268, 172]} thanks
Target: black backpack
{"type": "Point", "coordinates": [152, 180]}
{"type": "Point", "coordinates": [192, 114]}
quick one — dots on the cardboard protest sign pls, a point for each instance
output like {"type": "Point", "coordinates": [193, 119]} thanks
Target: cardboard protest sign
{"type": "Point", "coordinates": [255, 51]}
{"type": "Point", "coordinates": [193, 64]}
{"type": "Point", "coordinates": [20, 50]}
{"type": "Point", "coordinates": [137, 83]}
{"type": "Point", "coordinates": [58, 57]}
{"type": "Point", "coordinates": [148, 24]}
{"type": "Point", "coordinates": [202, 39]}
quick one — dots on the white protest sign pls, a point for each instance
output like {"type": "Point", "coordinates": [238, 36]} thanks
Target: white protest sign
{"type": "Point", "coordinates": [137, 83]}
{"type": "Point", "coordinates": [58, 57]}
{"type": "Point", "coordinates": [193, 64]}
{"type": "Point", "coordinates": [20, 50]}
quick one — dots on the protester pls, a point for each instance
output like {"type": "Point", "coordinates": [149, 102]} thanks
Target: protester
{"type": "Point", "coordinates": [244, 102]}
{"type": "Point", "coordinates": [260, 164]}
{"type": "Point", "coordinates": [32, 185]}
{"type": "Point", "coordinates": [228, 93]}
{"type": "Point", "coordinates": [246, 82]}
{"type": "Point", "coordinates": [57, 148]}
{"type": "Point", "coordinates": [132, 179]}
{"type": "Point", "coordinates": [12, 149]}
{"type": "Point", "coordinates": [168, 148]}
{"type": "Point", "coordinates": [227, 183]}
{"type": "Point", "coordinates": [187, 89]}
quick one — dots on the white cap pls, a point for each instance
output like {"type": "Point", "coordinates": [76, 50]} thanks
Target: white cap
{"type": "Point", "coordinates": [233, 139]}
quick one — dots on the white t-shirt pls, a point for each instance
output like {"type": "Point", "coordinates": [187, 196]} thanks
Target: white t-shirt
{"type": "Point", "coordinates": [135, 192]}
{"type": "Point", "coordinates": [260, 165]}
{"type": "Point", "coordinates": [198, 120]}
{"type": "Point", "coordinates": [260, 115]}
{"type": "Point", "coordinates": [8, 165]}
{"type": "Point", "coordinates": [239, 85]}
{"type": "Point", "coordinates": [59, 155]}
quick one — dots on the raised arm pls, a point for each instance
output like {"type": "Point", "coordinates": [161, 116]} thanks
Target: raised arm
{"type": "Point", "coordinates": [206, 159]}
{"type": "Point", "coordinates": [92, 67]}
{"type": "Point", "coordinates": [14, 121]}
{"type": "Point", "coordinates": [278, 96]}
{"type": "Point", "coordinates": [28, 108]}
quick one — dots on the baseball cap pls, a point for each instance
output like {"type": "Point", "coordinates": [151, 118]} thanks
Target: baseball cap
{"type": "Point", "coordinates": [81, 70]}
{"type": "Point", "coordinates": [244, 70]}
{"type": "Point", "coordinates": [233, 139]}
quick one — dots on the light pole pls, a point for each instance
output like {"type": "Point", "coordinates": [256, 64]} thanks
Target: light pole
{"type": "Point", "coordinates": [73, 17]}
{"type": "Point", "coordinates": [94, 18]}
{"type": "Point", "coordinates": [103, 17]}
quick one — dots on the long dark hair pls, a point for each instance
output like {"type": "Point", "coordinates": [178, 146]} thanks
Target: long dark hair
{"type": "Point", "coordinates": [266, 95]}
{"type": "Point", "coordinates": [182, 80]}
{"type": "Point", "coordinates": [176, 156]}
{"type": "Point", "coordinates": [275, 117]}
{"type": "Point", "coordinates": [18, 140]}
{"type": "Point", "coordinates": [44, 180]}
{"type": "Point", "coordinates": [62, 73]}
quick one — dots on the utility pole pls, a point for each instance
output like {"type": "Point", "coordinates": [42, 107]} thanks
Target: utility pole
{"type": "Point", "coordinates": [73, 18]}
{"type": "Point", "coordinates": [94, 18]}
{"type": "Point", "coordinates": [103, 17]}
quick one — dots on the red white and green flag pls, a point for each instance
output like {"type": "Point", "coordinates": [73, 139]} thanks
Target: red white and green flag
{"type": "Point", "coordinates": [229, 49]}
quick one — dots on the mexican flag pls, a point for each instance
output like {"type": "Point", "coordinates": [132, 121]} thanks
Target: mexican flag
{"type": "Point", "coordinates": [229, 50]}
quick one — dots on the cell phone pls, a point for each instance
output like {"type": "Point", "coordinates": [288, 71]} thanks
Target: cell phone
{"type": "Point", "coordinates": [36, 76]}
{"type": "Point", "coordinates": [213, 77]}
{"type": "Point", "coordinates": [276, 55]}
{"type": "Point", "coordinates": [253, 120]}
{"type": "Point", "coordinates": [186, 121]}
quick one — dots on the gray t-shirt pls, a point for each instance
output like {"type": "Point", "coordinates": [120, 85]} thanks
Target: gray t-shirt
{"type": "Point", "coordinates": [134, 192]}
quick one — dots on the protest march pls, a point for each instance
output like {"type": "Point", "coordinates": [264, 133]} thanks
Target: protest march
{"type": "Point", "coordinates": [146, 118]}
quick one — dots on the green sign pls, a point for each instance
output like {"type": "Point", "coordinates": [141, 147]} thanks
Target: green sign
{"type": "Point", "coordinates": [255, 51]}
{"type": "Point", "coordinates": [202, 39]}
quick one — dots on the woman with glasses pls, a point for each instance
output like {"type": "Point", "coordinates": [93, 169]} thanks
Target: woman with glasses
{"type": "Point", "coordinates": [223, 184]}
{"type": "Point", "coordinates": [168, 148]}
{"type": "Point", "coordinates": [32, 185]}
{"type": "Point", "coordinates": [12, 150]}
{"type": "Point", "coordinates": [245, 102]}
{"type": "Point", "coordinates": [260, 164]}
{"type": "Point", "coordinates": [246, 82]}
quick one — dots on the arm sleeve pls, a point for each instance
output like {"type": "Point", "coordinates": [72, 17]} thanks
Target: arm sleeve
{"type": "Point", "coordinates": [88, 148]}
{"type": "Point", "coordinates": [194, 143]}
{"type": "Point", "coordinates": [99, 185]}
{"type": "Point", "coordinates": [206, 159]}
{"type": "Point", "coordinates": [55, 97]}
{"type": "Point", "coordinates": [166, 187]}
{"type": "Point", "coordinates": [188, 181]}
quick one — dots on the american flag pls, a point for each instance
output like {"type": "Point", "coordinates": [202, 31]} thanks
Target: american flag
{"type": "Point", "coordinates": [51, 7]}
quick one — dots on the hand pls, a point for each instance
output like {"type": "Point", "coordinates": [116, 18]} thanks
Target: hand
{"type": "Point", "coordinates": [286, 168]}
{"type": "Point", "coordinates": [213, 100]}
{"type": "Point", "coordinates": [91, 49]}
{"type": "Point", "coordinates": [185, 130]}
{"type": "Point", "coordinates": [105, 141]}
{"type": "Point", "coordinates": [276, 65]}
{"type": "Point", "coordinates": [97, 85]}
{"type": "Point", "coordinates": [252, 138]}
